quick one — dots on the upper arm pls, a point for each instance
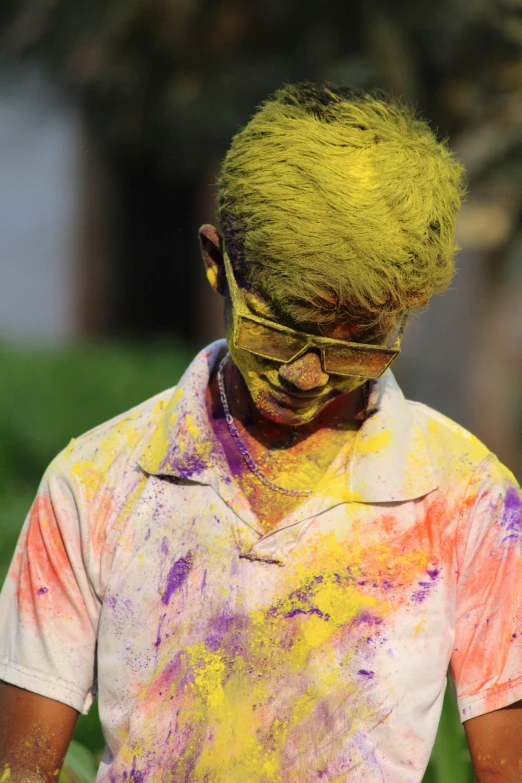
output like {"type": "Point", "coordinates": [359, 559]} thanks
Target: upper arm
{"type": "Point", "coordinates": [35, 733]}
{"type": "Point", "coordinates": [495, 744]}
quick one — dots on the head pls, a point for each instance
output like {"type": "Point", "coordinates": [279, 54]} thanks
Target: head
{"type": "Point", "coordinates": [338, 214]}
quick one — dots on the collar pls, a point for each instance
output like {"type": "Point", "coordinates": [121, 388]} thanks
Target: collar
{"type": "Point", "coordinates": [390, 462]}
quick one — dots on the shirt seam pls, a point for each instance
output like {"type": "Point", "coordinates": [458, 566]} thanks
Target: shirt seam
{"type": "Point", "coordinates": [483, 694]}
{"type": "Point", "coordinates": [477, 470]}
{"type": "Point", "coordinates": [9, 663]}
{"type": "Point", "coordinates": [84, 530]}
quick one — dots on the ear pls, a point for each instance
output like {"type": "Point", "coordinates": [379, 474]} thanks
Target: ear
{"type": "Point", "coordinates": [211, 243]}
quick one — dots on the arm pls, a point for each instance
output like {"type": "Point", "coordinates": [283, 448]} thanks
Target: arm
{"type": "Point", "coordinates": [495, 744]}
{"type": "Point", "coordinates": [35, 733]}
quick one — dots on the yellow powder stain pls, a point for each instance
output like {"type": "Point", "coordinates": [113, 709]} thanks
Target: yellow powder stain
{"type": "Point", "coordinates": [247, 741]}
{"type": "Point", "coordinates": [374, 443]}
{"type": "Point", "coordinates": [212, 276]}
{"type": "Point", "coordinates": [231, 696]}
{"type": "Point", "coordinates": [371, 562]}
{"type": "Point", "coordinates": [236, 738]}
{"type": "Point", "coordinates": [6, 774]}
{"type": "Point", "coordinates": [474, 448]}
{"type": "Point", "coordinates": [181, 444]}
{"type": "Point", "coordinates": [140, 558]}
{"type": "Point", "coordinates": [303, 706]}
{"type": "Point", "coordinates": [90, 478]}
{"type": "Point", "coordinates": [159, 406]}
{"type": "Point", "coordinates": [209, 668]}
{"type": "Point", "coordinates": [159, 442]}
{"type": "Point", "coordinates": [419, 627]}
{"type": "Point", "coordinates": [315, 631]}
{"type": "Point", "coordinates": [92, 473]}
{"type": "Point", "coordinates": [191, 427]}
{"type": "Point", "coordinates": [341, 603]}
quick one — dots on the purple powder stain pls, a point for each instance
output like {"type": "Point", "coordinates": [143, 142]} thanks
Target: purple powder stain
{"type": "Point", "coordinates": [135, 776]}
{"type": "Point", "coordinates": [43, 590]}
{"type": "Point", "coordinates": [213, 642]}
{"type": "Point", "coordinates": [433, 574]}
{"type": "Point", "coordinates": [148, 535]}
{"type": "Point", "coordinates": [111, 601]}
{"type": "Point", "coordinates": [158, 637]}
{"type": "Point", "coordinates": [312, 610]}
{"type": "Point", "coordinates": [367, 617]}
{"type": "Point", "coordinates": [193, 465]}
{"type": "Point", "coordinates": [177, 576]}
{"type": "Point", "coordinates": [303, 594]}
{"type": "Point", "coordinates": [227, 631]}
{"type": "Point", "coordinates": [365, 673]}
{"type": "Point", "coordinates": [165, 545]}
{"type": "Point", "coordinates": [420, 595]}
{"type": "Point", "coordinates": [512, 517]}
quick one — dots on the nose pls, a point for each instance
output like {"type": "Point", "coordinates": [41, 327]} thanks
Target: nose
{"type": "Point", "coordinates": [305, 373]}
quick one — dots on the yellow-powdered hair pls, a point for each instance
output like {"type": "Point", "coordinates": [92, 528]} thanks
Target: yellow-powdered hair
{"type": "Point", "coordinates": [338, 204]}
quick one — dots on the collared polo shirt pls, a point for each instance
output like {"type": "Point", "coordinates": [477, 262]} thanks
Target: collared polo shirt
{"type": "Point", "coordinates": [317, 651]}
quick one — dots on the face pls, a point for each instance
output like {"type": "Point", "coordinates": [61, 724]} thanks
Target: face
{"type": "Point", "coordinates": [291, 394]}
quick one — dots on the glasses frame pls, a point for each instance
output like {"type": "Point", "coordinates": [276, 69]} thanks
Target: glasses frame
{"type": "Point", "coordinates": [240, 312]}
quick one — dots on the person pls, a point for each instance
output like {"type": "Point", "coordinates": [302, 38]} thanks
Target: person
{"type": "Point", "coordinates": [265, 573]}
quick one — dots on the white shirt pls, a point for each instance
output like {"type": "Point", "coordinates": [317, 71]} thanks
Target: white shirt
{"type": "Point", "coordinates": [315, 652]}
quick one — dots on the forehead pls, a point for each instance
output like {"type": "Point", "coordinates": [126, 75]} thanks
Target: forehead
{"type": "Point", "coordinates": [260, 305]}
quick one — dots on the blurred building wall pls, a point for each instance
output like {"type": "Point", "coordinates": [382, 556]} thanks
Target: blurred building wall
{"type": "Point", "coordinates": [40, 134]}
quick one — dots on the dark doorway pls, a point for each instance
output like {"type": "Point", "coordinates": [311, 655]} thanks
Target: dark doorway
{"type": "Point", "coordinates": [152, 280]}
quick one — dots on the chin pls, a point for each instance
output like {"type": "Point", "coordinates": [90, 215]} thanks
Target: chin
{"type": "Point", "coordinates": [289, 417]}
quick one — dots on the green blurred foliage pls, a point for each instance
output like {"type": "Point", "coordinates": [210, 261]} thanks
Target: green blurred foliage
{"type": "Point", "coordinates": [80, 764]}
{"type": "Point", "coordinates": [48, 397]}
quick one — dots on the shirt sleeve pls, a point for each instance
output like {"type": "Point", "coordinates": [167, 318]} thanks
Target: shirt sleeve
{"type": "Point", "coordinates": [48, 608]}
{"type": "Point", "coordinates": [486, 664]}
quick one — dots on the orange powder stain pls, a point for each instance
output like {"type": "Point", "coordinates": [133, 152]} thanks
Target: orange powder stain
{"type": "Point", "coordinates": [44, 569]}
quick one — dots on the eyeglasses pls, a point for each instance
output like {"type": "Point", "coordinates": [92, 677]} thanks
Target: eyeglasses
{"type": "Point", "coordinates": [279, 343]}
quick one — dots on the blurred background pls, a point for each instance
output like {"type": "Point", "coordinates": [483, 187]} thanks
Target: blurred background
{"type": "Point", "coordinates": [114, 116]}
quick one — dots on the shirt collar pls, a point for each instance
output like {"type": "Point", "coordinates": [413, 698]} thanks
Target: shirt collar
{"type": "Point", "coordinates": [390, 461]}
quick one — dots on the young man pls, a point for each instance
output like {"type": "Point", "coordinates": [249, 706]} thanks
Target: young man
{"type": "Point", "coordinates": [266, 572]}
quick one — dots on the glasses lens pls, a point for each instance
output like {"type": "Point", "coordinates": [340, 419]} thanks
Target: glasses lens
{"type": "Point", "coordinates": [369, 363]}
{"type": "Point", "coordinates": [265, 341]}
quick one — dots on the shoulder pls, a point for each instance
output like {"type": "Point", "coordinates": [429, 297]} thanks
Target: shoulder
{"type": "Point", "coordinates": [454, 451]}
{"type": "Point", "coordinates": [114, 445]}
